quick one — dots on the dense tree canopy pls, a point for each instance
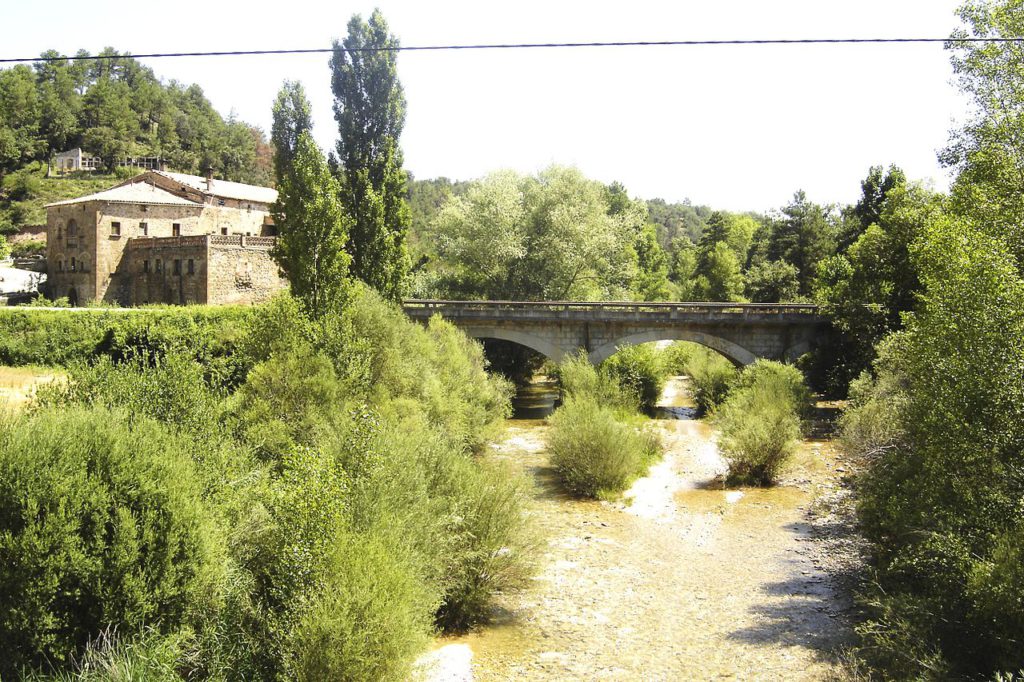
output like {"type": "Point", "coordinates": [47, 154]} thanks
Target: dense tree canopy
{"type": "Point", "coordinates": [548, 237]}
{"type": "Point", "coordinates": [116, 107]}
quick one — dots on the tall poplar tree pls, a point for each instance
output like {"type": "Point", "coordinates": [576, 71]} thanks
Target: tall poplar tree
{"type": "Point", "coordinates": [292, 117]}
{"type": "Point", "coordinates": [312, 229]}
{"type": "Point", "coordinates": [369, 106]}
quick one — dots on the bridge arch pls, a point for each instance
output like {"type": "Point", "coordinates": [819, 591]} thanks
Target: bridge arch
{"type": "Point", "coordinates": [735, 353]}
{"type": "Point", "coordinates": [544, 347]}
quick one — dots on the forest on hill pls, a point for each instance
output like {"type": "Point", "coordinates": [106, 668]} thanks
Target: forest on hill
{"type": "Point", "coordinates": [115, 107]}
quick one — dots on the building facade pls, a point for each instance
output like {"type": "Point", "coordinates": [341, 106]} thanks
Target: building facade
{"type": "Point", "coordinates": [164, 238]}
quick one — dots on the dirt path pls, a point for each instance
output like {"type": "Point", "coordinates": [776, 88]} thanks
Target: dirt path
{"type": "Point", "coordinates": [676, 582]}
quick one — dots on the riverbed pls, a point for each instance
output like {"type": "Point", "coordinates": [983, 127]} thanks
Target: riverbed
{"type": "Point", "coordinates": [681, 579]}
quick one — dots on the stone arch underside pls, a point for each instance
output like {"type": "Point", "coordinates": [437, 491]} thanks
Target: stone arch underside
{"type": "Point", "coordinates": [732, 351]}
{"type": "Point", "coordinates": [546, 348]}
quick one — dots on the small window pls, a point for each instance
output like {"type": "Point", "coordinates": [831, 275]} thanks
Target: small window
{"type": "Point", "coordinates": [177, 266]}
{"type": "Point", "coordinates": [115, 229]}
{"type": "Point", "coordinates": [60, 231]}
{"type": "Point", "coordinates": [145, 266]}
{"type": "Point", "coordinates": [143, 208]}
{"type": "Point", "coordinates": [60, 266]}
{"type": "Point", "coordinates": [144, 229]}
{"type": "Point", "coordinates": [176, 229]}
{"type": "Point", "coordinates": [72, 265]}
{"type": "Point", "coordinates": [191, 267]}
{"type": "Point", "coordinates": [220, 202]}
{"type": "Point", "coordinates": [224, 230]}
{"type": "Point", "coordinates": [159, 265]}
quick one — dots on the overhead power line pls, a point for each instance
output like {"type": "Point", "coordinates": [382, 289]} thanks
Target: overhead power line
{"type": "Point", "coordinates": [520, 46]}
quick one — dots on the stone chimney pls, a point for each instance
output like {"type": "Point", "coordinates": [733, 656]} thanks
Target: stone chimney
{"type": "Point", "coordinates": [209, 179]}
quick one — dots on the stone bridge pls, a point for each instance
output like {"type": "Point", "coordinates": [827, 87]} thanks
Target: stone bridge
{"type": "Point", "coordinates": [742, 332]}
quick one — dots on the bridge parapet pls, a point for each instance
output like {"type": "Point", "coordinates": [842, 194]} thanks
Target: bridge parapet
{"type": "Point", "coordinates": [617, 311]}
{"type": "Point", "coordinates": [742, 332]}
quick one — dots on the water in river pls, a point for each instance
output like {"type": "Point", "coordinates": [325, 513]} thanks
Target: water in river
{"type": "Point", "coordinates": [679, 580]}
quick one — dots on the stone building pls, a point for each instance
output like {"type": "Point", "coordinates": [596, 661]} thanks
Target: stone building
{"type": "Point", "coordinates": [164, 237]}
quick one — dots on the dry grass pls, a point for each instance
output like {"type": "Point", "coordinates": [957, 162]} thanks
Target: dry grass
{"type": "Point", "coordinates": [18, 385]}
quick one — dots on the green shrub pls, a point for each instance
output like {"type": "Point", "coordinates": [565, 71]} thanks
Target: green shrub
{"type": "Point", "coordinates": [594, 453]}
{"type": "Point", "coordinates": [463, 520]}
{"type": "Point", "coordinates": [676, 356]}
{"type": "Point", "coordinates": [151, 656]}
{"type": "Point", "coordinates": [638, 369]}
{"type": "Point", "coordinates": [711, 377]}
{"type": "Point", "coordinates": [28, 247]}
{"type": "Point", "coordinates": [369, 622]}
{"type": "Point", "coordinates": [580, 379]}
{"type": "Point", "coordinates": [759, 432]}
{"type": "Point", "coordinates": [101, 526]}
{"type": "Point", "coordinates": [784, 382]}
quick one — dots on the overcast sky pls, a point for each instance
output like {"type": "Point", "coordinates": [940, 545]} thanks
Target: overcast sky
{"type": "Point", "coordinates": [738, 128]}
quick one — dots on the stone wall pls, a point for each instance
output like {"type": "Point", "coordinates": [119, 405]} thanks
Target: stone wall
{"type": "Point", "coordinates": [242, 271]}
{"type": "Point", "coordinates": [200, 269]}
{"type": "Point", "coordinates": [168, 270]}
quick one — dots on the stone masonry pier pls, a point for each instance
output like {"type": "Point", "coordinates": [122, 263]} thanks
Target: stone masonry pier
{"type": "Point", "coordinates": [742, 332]}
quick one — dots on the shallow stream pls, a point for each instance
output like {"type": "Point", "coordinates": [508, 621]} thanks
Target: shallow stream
{"type": "Point", "coordinates": [680, 580]}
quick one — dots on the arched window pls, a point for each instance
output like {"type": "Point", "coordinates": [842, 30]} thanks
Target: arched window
{"type": "Point", "coordinates": [72, 264]}
{"type": "Point", "coordinates": [60, 230]}
{"type": "Point", "coordinates": [72, 228]}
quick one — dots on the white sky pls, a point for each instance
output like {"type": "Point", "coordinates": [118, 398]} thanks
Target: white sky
{"type": "Point", "coordinates": [737, 128]}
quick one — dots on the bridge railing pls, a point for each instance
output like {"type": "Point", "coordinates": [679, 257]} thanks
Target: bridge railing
{"type": "Point", "coordinates": [428, 307]}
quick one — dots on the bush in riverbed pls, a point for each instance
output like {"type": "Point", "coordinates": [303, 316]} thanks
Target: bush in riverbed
{"type": "Point", "coordinates": [580, 379]}
{"type": "Point", "coordinates": [639, 370]}
{"type": "Point", "coordinates": [711, 377]}
{"type": "Point", "coordinates": [758, 434]}
{"type": "Point", "coordinates": [676, 356]}
{"type": "Point", "coordinates": [595, 453]}
{"type": "Point", "coordinates": [760, 421]}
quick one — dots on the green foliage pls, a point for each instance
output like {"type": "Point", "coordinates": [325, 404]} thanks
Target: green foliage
{"type": "Point", "coordinates": [292, 118]}
{"type": "Point", "coordinates": [803, 235]}
{"type": "Point", "coordinates": [102, 527]}
{"type": "Point", "coordinates": [116, 108]}
{"type": "Point", "coordinates": [985, 152]}
{"type": "Point", "coordinates": [151, 656]}
{"type": "Point", "coordinates": [549, 237]}
{"type": "Point", "coordinates": [771, 282]}
{"type": "Point", "coordinates": [362, 520]}
{"type": "Point", "coordinates": [595, 453]}
{"type": "Point", "coordinates": [28, 247]}
{"type": "Point", "coordinates": [781, 382]}
{"type": "Point", "coordinates": [760, 421]}
{"type": "Point", "coordinates": [61, 338]}
{"type": "Point", "coordinates": [312, 229]}
{"type": "Point", "coordinates": [369, 106]}
{"type": "Point", "coordinates": [639, 370]}
{"type": "Point", "coordinates": [866, 290]}
{"type": "Point", "coordinates": [675, 221]}
{"type": "Point", "coordinates": [5, 250]}
{"type": "Point", "coordinates": [676, 357]}
{"type": "Point", "coordinates": [580, 379]}
{"type": "Point", "coordinates": [719, 277]}
{"type": "Point", "coordinates": [711, 377]}
{"type": "Point", "coordinates": [373, 637]}
{"type": "Point", "coordinates": [759, 433]}
{"type": "Point", "coordinates": [941, 500]}
{"type": "Point", "coordinates": [651, 283]}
